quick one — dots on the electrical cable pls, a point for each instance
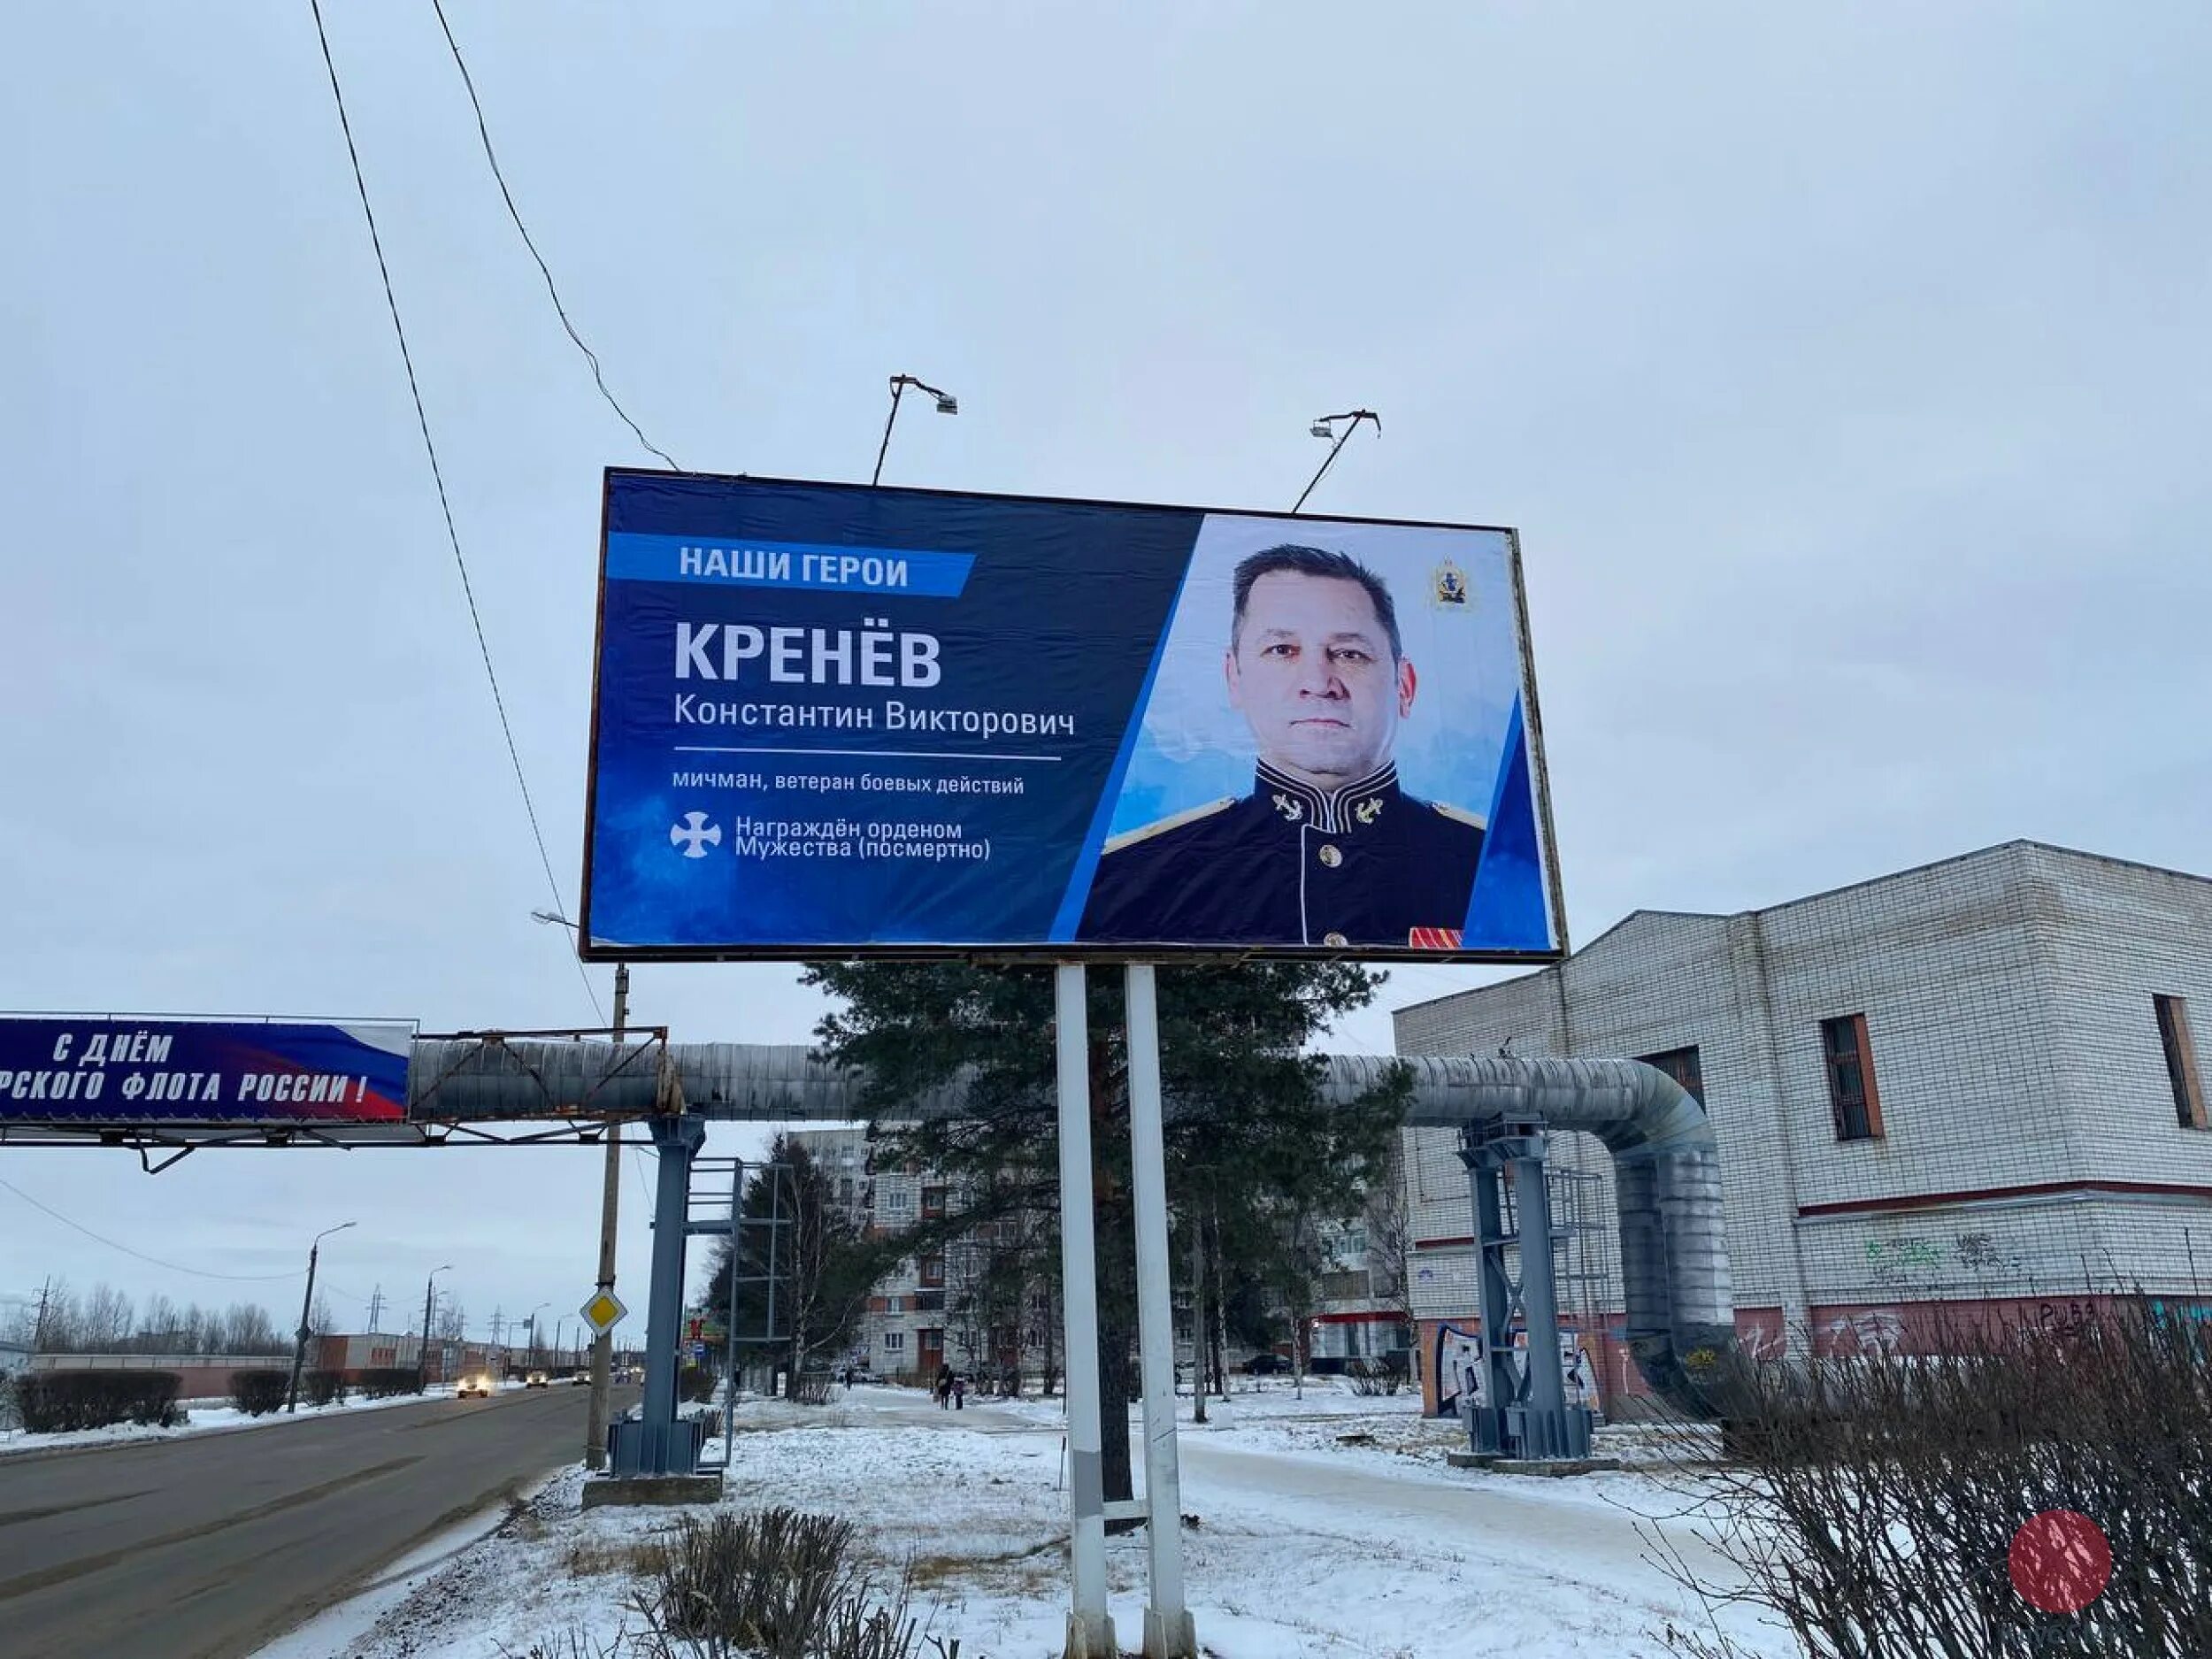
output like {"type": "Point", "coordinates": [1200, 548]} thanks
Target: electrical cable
{"type": "Point", "coordinates": [252, 1279]}
{"type": "Point", "coordinates": [437, 474]}
{"type": "Point", "coordinates": [483, 132]}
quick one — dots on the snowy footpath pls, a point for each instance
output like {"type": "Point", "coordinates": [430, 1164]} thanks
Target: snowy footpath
{"type": "Point", "coordinates": [1328, 1527]}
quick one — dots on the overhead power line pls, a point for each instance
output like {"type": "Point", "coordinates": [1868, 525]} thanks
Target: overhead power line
{"type": "Point", "coordinates": [437, 474]}
{"type": "Point", "coordinates": [97, 1238]}
{"type": "Point", "coordinates": [483, 132]}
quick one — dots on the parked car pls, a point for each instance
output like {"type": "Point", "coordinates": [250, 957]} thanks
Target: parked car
{"type": "Point", "coordinates": [1266, 1365]}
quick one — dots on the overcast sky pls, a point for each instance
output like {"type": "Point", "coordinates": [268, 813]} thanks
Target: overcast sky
{"type": "Point", "coordinates": [1846, 370]}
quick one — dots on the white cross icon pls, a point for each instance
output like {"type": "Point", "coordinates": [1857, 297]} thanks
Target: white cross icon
{"type": "Point", "coordinates": [694, 835]}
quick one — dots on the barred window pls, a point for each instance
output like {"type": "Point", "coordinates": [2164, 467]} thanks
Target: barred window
{"type": "Point", "coordinates": [1850, 1059]}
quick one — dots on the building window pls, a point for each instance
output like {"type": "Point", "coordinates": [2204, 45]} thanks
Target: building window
{"type": "Point", "coordinates": [898, 1201]}
{"type": "Point", "coordinates": [933, 1271]}
{"type": "Point", "coordinates": [1682, 1065]}
{"type": "Point", "coordinates": [894, 1341]}
{"type": "Point", "coordinates": [1850, 1065]}
{"type": "Point", "coordinates": [932, 1204]}
{"type": "Point", "coordinates": [2181, 1062]}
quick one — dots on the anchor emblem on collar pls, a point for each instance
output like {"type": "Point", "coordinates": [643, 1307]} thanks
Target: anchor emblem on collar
{"type": "Point", "coordinates": [1290, 807]}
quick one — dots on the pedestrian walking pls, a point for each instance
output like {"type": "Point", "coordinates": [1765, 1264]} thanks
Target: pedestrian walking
{"type": "Point", "coordinates": [959, 1393]}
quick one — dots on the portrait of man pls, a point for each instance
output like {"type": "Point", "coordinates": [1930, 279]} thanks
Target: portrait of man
{"type": "Point", "coordinates": [1326, 848]}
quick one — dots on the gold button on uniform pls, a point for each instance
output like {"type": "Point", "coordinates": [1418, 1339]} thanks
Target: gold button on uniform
{"type": "Point", "coordinates": [1334, 938]}
{"type": "Point", "coordinates": [1330, 856]}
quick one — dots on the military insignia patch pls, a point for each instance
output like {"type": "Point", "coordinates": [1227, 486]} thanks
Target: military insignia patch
{"type": "Point", "coordinates": [1291, 808]}
{"type": "Point", "coordinates": [1450, 591]}
{"type": "Point", "coordinates": [1367, 810]}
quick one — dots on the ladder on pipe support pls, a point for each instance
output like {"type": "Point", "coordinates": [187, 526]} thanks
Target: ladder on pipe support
{"type": "Point", "coordinates": [720, 1203]}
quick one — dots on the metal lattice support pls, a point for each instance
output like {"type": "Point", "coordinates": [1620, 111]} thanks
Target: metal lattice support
{"type": "Point", "coordinates": [1524, 1411]}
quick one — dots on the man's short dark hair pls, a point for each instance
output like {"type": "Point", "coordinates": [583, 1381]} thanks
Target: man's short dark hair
{"type": "Point", "coordinates": [1313, 561]}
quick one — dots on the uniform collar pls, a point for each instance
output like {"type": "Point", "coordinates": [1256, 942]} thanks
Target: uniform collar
{"type": "Point", "coordinates": [1353, 806]}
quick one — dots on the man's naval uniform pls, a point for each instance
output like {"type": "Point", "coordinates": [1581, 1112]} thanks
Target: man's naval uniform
{"type": "Point", "coordinates": [1363, 865]}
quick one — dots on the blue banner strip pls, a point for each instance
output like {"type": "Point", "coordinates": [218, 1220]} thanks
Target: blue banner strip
{"type": "Point", "coordinates": [634, 556]}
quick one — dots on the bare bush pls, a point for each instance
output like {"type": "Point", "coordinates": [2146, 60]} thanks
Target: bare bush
{"type": "Point", "coordinates": [776, 1583]}
{"type": "Point", "coordinates": [1375, 1378]}
{"type": "Point", "coordinates": [1876, 1503]}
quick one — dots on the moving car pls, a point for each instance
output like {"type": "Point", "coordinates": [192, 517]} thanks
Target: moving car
{"type": "Point", "coordinates": [478, 1383]}
{"type": "Point", "coordinates": [536, 1379]}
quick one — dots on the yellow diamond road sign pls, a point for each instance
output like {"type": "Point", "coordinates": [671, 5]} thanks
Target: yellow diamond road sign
{"type": "Point", "coordinates": [604, 1311]}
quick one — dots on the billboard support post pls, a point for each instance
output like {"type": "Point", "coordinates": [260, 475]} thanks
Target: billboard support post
{"type": "Point", "coordinates": [1169, 1632]}
{"type": "Point", "coordinates": [1090, 1626]}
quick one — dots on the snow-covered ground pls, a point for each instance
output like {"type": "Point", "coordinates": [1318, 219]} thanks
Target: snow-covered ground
{"type": "Point", "coordinates": [204, 1417]}
{"type": "Point", "coordinates": [1326, 1527]}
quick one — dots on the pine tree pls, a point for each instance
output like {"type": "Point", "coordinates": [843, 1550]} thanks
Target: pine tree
{"type": "Point", "coordinates": [1248, 1136]}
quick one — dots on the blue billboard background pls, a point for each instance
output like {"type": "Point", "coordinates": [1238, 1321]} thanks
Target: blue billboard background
{"type": "Point", "coordinates": [830, 719]}
{"type": "Point", "coordinates": [58, 1068]}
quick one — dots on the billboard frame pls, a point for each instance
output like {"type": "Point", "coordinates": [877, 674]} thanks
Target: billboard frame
{"type": "Point", "coordinates": [1078, 950]}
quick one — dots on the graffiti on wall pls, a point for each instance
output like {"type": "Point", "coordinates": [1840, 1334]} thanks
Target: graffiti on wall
{"type": "Point", "coordinates": [1870, 1331]}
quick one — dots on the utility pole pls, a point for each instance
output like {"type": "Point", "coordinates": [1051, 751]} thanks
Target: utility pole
{"type": "Point", "coordinates": [38, 1332]}
{"type": "Point", "coordinates": [376, 1307]}
{"type": "Point", "coordinates": [422, 1355]}
{"type": "Point", "coordinates": [307, 1301]}
{"type": "Point", "coordinates": [610, 1202]}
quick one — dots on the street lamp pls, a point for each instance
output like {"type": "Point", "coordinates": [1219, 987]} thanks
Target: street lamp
{"type": "Point", "coordinates": [946, 404]}
{"type": "Point", "coordinates": [299, 1344]}
{"type": "Point", "coordinates": [609, 1206]}
{"type": "Point", "coordinates": [1324, 426]}
{"type": "Point", "coordinates": [422, 1354]}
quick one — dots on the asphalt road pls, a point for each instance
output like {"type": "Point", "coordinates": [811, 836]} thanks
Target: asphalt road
{"type": "Point", "coordinates": [210, 1546]}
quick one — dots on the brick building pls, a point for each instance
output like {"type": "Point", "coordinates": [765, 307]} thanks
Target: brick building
{"type": "Point", "coordinates": [1965, 1089]}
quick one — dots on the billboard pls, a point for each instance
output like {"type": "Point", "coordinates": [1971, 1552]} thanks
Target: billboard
{"type": "Point", "coordinates": [843, 720]}
{"type": "Point", "coordinates": [119, 1069]}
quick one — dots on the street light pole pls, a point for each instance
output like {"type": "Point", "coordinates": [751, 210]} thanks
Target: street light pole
{"type": "Point", "coordinates": [946, 404]}
{"type": "Point", "coordinates": [1324, 428]}
{"type": "Point", "coordinates": [299, 1344]}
